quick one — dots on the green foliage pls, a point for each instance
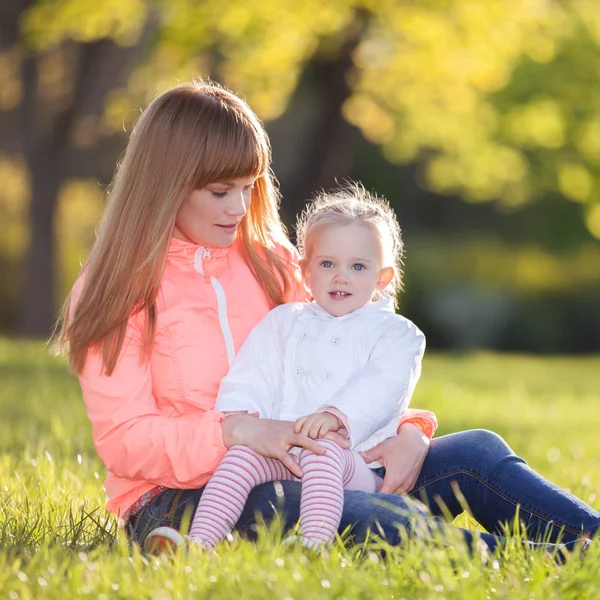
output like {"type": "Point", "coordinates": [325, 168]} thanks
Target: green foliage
{"type": "Point", "coordinates": [497, 99]}
{"type": "Point", "coordinates": [56, 541]}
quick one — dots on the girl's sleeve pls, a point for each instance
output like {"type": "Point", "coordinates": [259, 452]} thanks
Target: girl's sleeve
{"type": "Point", "coordinates": [132, 439]}
{"type": "Point", "coordinates": [253, 378]}
{"type": "Point", "coordinates": [425, 420]}
{"type": "Point", "coordinates": [380, 392]}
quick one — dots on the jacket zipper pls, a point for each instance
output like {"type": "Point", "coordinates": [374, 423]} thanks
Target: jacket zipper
{"type": "Point", "coordinates": [200, 257]}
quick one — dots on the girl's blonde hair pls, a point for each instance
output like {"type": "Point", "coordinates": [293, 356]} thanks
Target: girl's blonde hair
{"type": "Point", "coordinates": [349, 204]}
{"type": "Point", "coordinates": [188, 137]}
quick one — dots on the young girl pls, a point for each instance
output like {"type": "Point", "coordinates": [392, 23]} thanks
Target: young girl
{"type": "Point", "coordinates": [344, 362]}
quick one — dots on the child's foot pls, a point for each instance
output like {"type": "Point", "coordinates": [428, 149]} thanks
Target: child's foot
{"type": "Point", "coordinates": [198, 543]}
{"type": "Point", "coordinates": [163, 540]}
{"type": "Point", "coordinates": [317, 547]}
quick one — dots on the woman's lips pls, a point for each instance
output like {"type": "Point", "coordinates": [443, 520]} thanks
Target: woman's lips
{"type": "Point", "coordinates": [228, 228]}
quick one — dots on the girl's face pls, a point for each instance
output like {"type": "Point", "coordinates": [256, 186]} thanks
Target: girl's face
{"type": "Point", "coordinates": [344, 268]}
{"type": "Point", "coordinates": [211, 216]}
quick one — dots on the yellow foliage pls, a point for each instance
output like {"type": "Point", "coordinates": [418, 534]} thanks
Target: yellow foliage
{"type": "Point", "coordinates": [587, 139]}
{"type": "Point", "coordinates": [592, 219]}
{"type": "Point", "coordinates": [540, 123]}
{"type": "Point", "coordinates": [78, 212]}
{"type": "Point", "coordinates": [377, 123]}
{"type": "Point", "coordinates": [492, 265]}
{"type": "Point", "coordinates": [575, 182]}
{"type": "Point", "coordinates": [47, 23]}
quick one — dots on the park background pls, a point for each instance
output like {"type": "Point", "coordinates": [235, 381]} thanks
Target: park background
{"type": "Point", "coordinates": [478, 119]}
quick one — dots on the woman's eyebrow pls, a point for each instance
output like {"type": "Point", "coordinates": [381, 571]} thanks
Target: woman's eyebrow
{"type": "Point", "coordinates": [227, 183]}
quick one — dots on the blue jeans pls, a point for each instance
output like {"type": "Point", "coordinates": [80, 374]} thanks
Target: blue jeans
{"type": "Point", "coordinates": [493, 481]}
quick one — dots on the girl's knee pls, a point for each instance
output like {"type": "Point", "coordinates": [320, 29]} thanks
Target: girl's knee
{"type": "Point", "coordinates": [333, 452]}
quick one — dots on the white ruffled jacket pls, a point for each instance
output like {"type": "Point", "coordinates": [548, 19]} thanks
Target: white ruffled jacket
{"type": "Point", "coordinates": [300, 359]}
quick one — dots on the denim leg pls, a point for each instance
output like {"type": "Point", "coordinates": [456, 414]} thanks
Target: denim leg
{"type": "Point", "coordinates": [388, 516]}
{"type": "Point", "coordinates": [494, 481]}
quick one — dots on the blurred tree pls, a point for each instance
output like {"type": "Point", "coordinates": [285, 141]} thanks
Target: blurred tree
{"type": "Point", "coordinates": [52, 106]}
{"type": "Point", "coordinates": [495, 99]}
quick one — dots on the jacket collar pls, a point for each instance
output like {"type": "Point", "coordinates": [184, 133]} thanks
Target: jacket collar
{"type": "Point", "coordinates": [385, 305]}
{"type": "Point", "coordinates": [189, 256]}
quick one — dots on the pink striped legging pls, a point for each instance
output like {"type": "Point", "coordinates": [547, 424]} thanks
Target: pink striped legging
{"type": "Point", "coordinates": [321, 503]}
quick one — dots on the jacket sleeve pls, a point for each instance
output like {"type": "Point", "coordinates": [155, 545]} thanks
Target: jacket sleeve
{"type": "Point", "coordinates": [253, 378]}
{"type": "Point", "coordinates": [132, 439]}
{"type": "Point", "coordinates": [380, 392]}
{"type": "Point", "coordinates": [425, 420]}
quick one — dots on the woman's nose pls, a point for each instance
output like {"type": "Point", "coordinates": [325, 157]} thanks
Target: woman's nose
{"type": "Point", "coordinates": [238, 206]}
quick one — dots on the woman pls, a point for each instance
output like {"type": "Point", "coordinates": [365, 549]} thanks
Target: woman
{"type": "Point", "coordinates": [190, 255]}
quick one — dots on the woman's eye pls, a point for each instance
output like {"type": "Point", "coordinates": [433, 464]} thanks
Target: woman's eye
{"type": "Point", "coordinates": [219, 194]}
{"type": "Point", "coordinates": [358, 267]}
{"type": "Point", "coordinates": [327, 264]}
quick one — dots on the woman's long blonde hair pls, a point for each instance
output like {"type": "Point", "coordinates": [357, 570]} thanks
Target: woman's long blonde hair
{"type": "Point", "coordinates": [189, 136]}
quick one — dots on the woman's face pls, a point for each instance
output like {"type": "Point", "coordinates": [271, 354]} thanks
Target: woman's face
{"type": "Point", "coordinates": [211, 216]}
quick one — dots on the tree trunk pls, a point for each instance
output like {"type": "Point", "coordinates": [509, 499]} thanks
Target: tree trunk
{"type": "Point", "coordinates": [38, 304]}
{"type": "Point", "coordinates": [100, 66]}
{"type": "Point", "coordinates": [326, 154]}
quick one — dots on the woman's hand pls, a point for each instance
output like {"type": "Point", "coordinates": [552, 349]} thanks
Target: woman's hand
{"type": "Point", "coordinates": [402, 456]}
{"type": "Point", "coordinates": [272, 438]}
{"type": "Point", "coordinates": [317, 425]}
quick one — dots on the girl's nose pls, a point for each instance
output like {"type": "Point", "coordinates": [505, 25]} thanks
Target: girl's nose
{"type": "Point", "coordinates": [340, 277]}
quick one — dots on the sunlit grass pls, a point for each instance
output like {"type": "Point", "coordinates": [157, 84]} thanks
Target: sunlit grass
{"type": "Point", "coordinates": [56, 540]}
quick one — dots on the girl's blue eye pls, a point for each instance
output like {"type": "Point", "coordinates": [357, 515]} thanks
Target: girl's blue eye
{"type": "Point", "coordinates": [358, 267]}
{"type": "Point", "coordinates": [327, 264]}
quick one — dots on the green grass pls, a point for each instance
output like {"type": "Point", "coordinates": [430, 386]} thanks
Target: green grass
{"type": "Point", "coordinates": [56, 540]}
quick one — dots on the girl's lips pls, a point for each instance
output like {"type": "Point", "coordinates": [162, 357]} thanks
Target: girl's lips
{"type": "Point", "coordinates": [339, 295]}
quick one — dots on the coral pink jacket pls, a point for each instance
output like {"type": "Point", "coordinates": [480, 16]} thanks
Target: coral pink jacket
{"type": "Point", "coordinates": [154, 421]}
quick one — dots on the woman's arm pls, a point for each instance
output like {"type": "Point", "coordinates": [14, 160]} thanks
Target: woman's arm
{"type": "Point", "coordinates": [133, 440]}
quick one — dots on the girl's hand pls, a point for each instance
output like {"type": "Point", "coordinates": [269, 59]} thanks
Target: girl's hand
{"type": "Point", "coordinates": [270, 438]}
{"type": "Point", "coordinates": [317, 425]}
{"type": "Point", "coordinates": [402, 456]}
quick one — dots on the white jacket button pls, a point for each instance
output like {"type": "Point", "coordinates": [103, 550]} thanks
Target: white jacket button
{"type": "Point", "coordinates": [299, 371]}
{"type": "Point", "coordinates": [335, 340]}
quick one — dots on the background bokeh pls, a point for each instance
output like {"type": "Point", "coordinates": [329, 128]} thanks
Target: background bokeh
{"type": "Point", "coordinates": [478, 119]}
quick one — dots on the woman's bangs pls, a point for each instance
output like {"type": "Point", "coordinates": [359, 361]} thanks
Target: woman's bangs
{"type": "Point", "coordinates": [230, 153]}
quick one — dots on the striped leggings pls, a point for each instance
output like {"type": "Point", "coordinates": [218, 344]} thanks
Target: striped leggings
{"type": "Point", "coordinates": [322, 500]}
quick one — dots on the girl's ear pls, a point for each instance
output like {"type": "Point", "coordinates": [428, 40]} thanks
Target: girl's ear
{"type": "Point", "coordinates": [385, 276]}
